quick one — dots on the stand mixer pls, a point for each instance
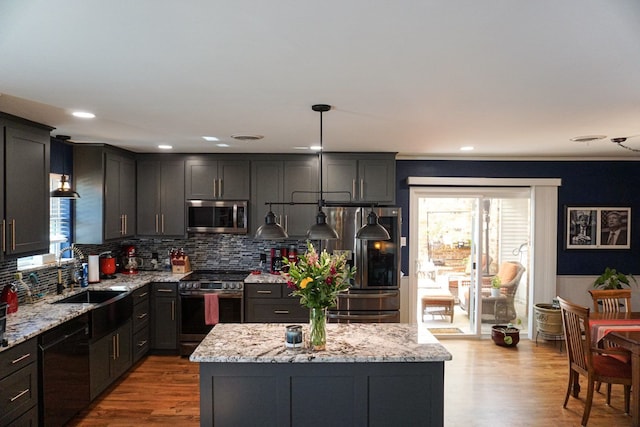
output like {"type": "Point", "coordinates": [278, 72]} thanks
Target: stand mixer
{"type": "Point", "coordinates": [131, 263]}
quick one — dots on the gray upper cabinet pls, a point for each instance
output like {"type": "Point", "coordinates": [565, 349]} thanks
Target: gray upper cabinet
{"type": "Point", "coordinates": [25, 182]}
{"type": "Point", "coordinates": [105, 178]}
{"type": "Point", "coordinates": [160, 195]}
{"type": "Point", "coordinates": [293, 179]}
{"type": "Point", "coordinates": [222, 179]}
{"type": "Point", "coordinates": [366, 177]}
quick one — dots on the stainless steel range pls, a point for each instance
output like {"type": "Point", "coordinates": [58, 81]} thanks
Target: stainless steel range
{"type": "Point", "coordinates": [229, 285]}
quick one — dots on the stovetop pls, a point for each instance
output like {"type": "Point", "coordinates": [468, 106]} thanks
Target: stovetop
{"type": "Point", "coordinates": [216, 276]}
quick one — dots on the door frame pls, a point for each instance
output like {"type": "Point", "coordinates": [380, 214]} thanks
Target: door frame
{"type": "Point", "coordinates": [544, 228]}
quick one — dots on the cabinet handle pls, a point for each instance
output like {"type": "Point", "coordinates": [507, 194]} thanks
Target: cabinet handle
{"type": "Point", "coordinates": [156, 223]}
{"type": "Point", "coordinates": [173, 310]}
{"type": "Point", "coordinates": [4, 237]}
{"type": "Point", "coordinates": [164, 290]}
{"type": "Point", "coordinates": [19, 395]}
{"type": "Point", "coordinates": [142, 295]}
{"type": "Point", "coordinates": [220, 188]}
{"type": "Point", "coordinates": [13, 234]}
{"type": "Point", "coordinates": [142, 343]}
{"type": "Point", "coordinates": [286, 222]}
{"type": "Point", "coordinates": [362, 189]}
{"type": "Point", "coordinates": [142, 316]}
{"type": "Point", "coordinates": [125, 223]}
{"type": "Point", "coordinates": [121, 224]}
{"type": "Point", "coordinates": [118, 344]}
{"type": "Point", "coordinates": [215, 188]}
{"type": "Point", "coordinates": [263, 292]}
{"type": "Point", "coordinates": [24, 356]}
{"type": "Point", "coordinates": [162, 223]}
{"type": "Point", "coordinates": [113, 346]}
{"type": "Point", "coordinates": [281, 311]}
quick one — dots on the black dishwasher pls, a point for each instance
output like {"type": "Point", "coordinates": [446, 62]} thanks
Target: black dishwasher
{"type": "Point", "coordinates": [64, 371]}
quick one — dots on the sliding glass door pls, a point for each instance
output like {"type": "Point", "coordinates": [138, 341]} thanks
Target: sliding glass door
{"type": "Point", "coordinates": [462, 236]}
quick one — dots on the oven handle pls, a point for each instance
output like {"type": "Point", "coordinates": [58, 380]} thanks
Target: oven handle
{"type": "Point", "coordinates": [220, 295]}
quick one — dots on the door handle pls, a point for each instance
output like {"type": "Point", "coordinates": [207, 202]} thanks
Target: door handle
{"type": "Point", "coordinates": [13, 234]}
{"type": "Point", "coordinates": [264, 292]}
{"type": "Point", "coordinates": [142, 316]}
{"type": "Point", "coordinates": [19, 395]}
{"type": "Point", "coordinates": [164, 290]}
{"type": "Point", "coordinates": [281, 311]}
{"type": "Point", "coordinates": [24, 356]}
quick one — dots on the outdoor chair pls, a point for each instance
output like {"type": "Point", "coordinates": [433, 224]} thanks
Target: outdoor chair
{"type": "Point", "coordinates": [592, 363]}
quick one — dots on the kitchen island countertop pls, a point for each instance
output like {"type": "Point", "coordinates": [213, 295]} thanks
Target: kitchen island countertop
{"type": "Point", "coordinates": [33, 319]}
{"type": "Point", "coordinates": [346, 343]}
{"type": "Point", "coordinates": [265, 278]}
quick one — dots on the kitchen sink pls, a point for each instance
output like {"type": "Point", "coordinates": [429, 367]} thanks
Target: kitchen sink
{"type": "Point", "coordinates": [113, 308]}
{"type": "Point", "coordinates": [91, 296]}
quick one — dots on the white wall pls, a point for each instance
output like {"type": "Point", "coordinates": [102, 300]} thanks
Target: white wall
{"type": "Point", "coordinates": [575, 289]}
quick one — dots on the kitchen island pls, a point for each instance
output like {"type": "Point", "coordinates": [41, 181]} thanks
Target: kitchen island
{"type": "Point", "coordinates": [375, 374]}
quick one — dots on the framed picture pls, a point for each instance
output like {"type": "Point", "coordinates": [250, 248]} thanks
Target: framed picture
{"type": "Point", "coordinates": [598, 228]}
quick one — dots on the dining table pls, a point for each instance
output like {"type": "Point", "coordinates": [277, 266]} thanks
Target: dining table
{"type": "Point", "coordinates": [623, 330]}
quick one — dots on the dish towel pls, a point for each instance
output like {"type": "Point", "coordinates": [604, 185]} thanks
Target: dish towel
{"type": "Point", "coordinates": [211, 312]}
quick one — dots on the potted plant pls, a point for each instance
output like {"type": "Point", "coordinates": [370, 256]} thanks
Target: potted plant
{"type": "Point", "coordinates": [611, 279]}
{"type": "Point", "coordinates": [495, 286]}
{"type": "Point", "coordinates": [505, 335]}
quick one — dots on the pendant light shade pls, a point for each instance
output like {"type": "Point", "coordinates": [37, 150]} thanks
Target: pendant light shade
{"type": "Point", "coordinates": [64, 190]}
{"type": "Point", "coordinates": [270, 230]}
{"type": "Point", "coordinates": [321, 230]}
{"type": "Point", "coordinates": [373, 230]}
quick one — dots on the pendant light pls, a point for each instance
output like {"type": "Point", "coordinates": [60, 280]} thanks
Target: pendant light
{"type": "Point", "coordinates": [64, 189]}
{"type": "Point", "coordinates": [372, 230]}
{"type": "Point", "coordinates": [270, 230]}
{"type": "Point", "coordinates": [321, 230]}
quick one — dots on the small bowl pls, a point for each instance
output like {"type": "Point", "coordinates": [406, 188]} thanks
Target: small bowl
{"type": "Point", "coordinates": [505, 336]}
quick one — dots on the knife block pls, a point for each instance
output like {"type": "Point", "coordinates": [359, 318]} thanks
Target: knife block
{"type": "Point", "coordinates": [181, 265]}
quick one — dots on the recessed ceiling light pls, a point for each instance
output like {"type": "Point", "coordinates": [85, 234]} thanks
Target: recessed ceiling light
{"type": "Point", "coordinates": [210, 138]}
{"type": "Point", "coordinates": [588, 138]}
{"type": "Point", "coordinates": [223, 145]}
{"type": "Point", "coordinates": [300, 148]}
{"type": "Point", "coordinates": [246, 137]}
{"type": "Point", "coordinates": [165, 147]}
{"type": "Point", "coordinates": [315, 148]}
{"type": "Point", "coordinates": [467, 148]}
{"type": "Point", "coordinates": [83, 114]}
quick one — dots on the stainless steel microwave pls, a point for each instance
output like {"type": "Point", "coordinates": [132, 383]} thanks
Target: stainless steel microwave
{"type": "Point", "coordinates": [217, 216]}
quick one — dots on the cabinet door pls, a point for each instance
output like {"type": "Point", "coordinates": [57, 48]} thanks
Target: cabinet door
{"type": "Point", "coordinates": [100, 352]}
{"type": "Point", "coordinates": [300, 176]}
{"type": "Point", "coordinates": [165, 335]}
{"type": "Point", "coordinates": [113, 220]}
{"type": "Point", "coordinates": [148, 183]}
{"type": "Point", "coordinates": [121, 360]}
{"type": "Point", "coordinates": [201, 179]}
{"type": "Point", "coordinates": [377, 180]}
{"type": "Point", "coordinates": [233, 180]}
{"type": "Point", "coordinates": [26, 190]}
{"type": "Point", "coordinates": [172, 206]}
{"type": "Point", "coordinates": [339, 178]}
{"type": "Point", "coordinates": [128, 195]}
{"type": "Point", "coordinates": [266, 186]}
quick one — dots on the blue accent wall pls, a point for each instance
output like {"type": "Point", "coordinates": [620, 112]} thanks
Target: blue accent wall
{"type": "Point", "coordinates": [592, 183]}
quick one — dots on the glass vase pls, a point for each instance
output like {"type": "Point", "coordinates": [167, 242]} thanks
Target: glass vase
{"type": "Point", "coordinates": [318, 329]}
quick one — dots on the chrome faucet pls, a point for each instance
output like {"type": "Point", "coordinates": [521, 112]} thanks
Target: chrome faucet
{"type": "Point", "coordinates": [60, 287]}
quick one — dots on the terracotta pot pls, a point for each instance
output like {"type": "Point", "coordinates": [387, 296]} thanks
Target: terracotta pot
{"type": "Point", "coordinates": [505, 336]}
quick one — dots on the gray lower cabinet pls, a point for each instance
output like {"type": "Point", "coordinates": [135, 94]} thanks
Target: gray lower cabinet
{"type": "Point", "coordinates": [160, 196]}
{"type": "Point", "coordinates": [271, 303]}
{"type": "Point", "coordinates": [19, 385]}
{"type": "Point", "coordinates": [109, 357]}
{"type": "Point", "coordinates": [24, 180]}
{"type": "Point", "coordinates": [164, 313]}
{"type": "Point", "coordinates": [293, 178]}
{"type": "Point", "coordinates": [140, 322]}
{"type": "Point", "coordinates": [353, 394]}
{"type": "Point", "coordinates": [367, 177]}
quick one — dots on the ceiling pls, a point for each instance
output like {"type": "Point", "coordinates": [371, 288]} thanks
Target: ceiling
{"type": "Point", "coordinates": [418, 77]}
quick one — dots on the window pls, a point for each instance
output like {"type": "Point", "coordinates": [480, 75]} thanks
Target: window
{"type": "Point", "coordinates": [59, 225]}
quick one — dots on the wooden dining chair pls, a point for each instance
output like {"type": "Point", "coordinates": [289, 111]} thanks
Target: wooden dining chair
{"type": "Point", "coordinates": [611, 300]}
{"type": "Point", "coordinates": [592, 363]}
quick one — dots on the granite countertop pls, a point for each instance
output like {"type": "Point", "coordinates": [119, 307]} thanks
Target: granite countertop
{"type": "Point", "coordinates": [33, 319]}
{"type": "Point", "coordinates": [346, 343]}
{"type": "Point", "coordinates": [265, 278]}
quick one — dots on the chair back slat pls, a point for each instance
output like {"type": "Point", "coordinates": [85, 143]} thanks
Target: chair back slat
{"type": "Point", "coordinates": [611, 300]}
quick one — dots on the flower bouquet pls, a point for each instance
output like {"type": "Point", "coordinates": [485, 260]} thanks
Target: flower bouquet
{"type": "Point", "coordinates": [317, 280]}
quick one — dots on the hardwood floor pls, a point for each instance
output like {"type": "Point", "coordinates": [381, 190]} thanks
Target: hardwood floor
{"type": "Point", "coordinates": [485, 385]}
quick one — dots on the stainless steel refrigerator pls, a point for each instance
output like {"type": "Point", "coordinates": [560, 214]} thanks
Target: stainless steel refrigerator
{"type": "Point", "coordinates": [375, 292]}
